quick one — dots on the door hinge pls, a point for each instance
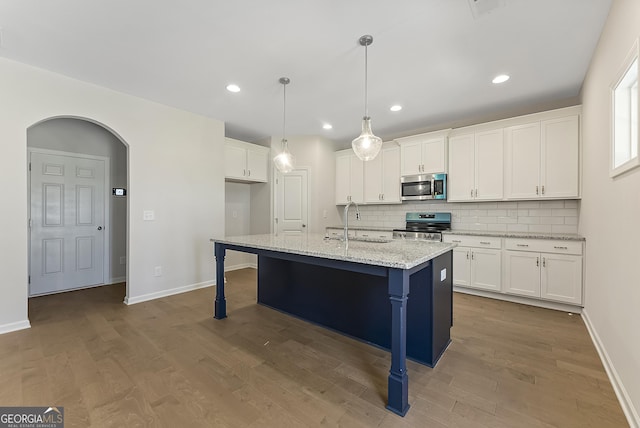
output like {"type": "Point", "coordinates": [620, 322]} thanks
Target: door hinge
{"type": "Point", "coordinates": [29, 279]}
{"type": "Point", "coordinates": [29, 166]}
{"type": "Point", "coordinates": [29, 223]}
{"type": "Point", "coordinates": [276, 220]}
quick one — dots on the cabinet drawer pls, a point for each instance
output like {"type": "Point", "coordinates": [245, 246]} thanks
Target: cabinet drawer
{"type": "Point", "coordinates": [473, 241]}
{"type": "Point", "coordinates": [374, 234]}
{"type": "Point", "coordinates": [544, 246]}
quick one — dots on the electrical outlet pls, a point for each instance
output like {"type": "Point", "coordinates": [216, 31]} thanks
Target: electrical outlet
{"type": "Point", "coordinates": [123, 260]}
{"type": "Point", "coordinates": [157, 271]}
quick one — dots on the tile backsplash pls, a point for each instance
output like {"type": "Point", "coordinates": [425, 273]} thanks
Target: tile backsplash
{"type": "Point", "coordinates": [559, 216]}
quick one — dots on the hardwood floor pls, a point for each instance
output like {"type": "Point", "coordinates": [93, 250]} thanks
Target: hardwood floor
{"type": "Point", "coordinates": [169, 363]}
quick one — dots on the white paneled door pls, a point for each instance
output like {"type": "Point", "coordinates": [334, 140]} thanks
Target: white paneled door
{"type": "Point", "coordinates": [67, 222]}
{"type": "Point", "coordinates": [291, 216]}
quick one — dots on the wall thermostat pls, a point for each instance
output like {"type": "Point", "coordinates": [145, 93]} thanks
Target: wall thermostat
{"type": "Point", "coordinates": [119, 191]}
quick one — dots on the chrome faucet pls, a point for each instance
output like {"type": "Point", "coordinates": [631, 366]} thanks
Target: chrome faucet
{"type": "Point", "coordinates": [346, 219]}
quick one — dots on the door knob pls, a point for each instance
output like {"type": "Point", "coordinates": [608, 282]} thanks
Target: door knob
{"type": "Point", "coordinates": [304, 225]}
{"type": "Point", "coordinates": [99, 227]}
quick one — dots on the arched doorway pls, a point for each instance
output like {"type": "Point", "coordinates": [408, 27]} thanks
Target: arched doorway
{"type": "Point", "coordinates": [78, 229]}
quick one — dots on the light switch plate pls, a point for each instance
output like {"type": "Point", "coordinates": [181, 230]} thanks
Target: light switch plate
{"type": "Point", "coordinates": [443, 274]}
{"type": "Point", "coordinates": [148, 215]}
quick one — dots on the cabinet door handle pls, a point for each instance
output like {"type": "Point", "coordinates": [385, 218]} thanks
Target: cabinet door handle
{"type": "Point", "coordinates": [560, 248]}
{"type": "Point", "coordinates": [472, 256]}
{"type": "Point", "coordinates": [544, 262]}
{"type": "Point", "coordinates": [537, 261]}
{"type": "Point", "coordinates": [485, 242]}
{"type": "Point", "coordinates": [456, 240]}
{"type": "Point", "coordinates": [472, 193]}
{"type": "Point", "coordinates": [522, 245]}
{"type": "Point", "coordinates": [244, 172]}
{"type": "Point", "coordinates": [543, 189]}
{"type": "Point", "coordinates": [467, 255]}
{"type": "Point", "coordinates": [249, 173]}
{"type": "Point", "coordinates": [537, 190]}
{"type": "Point", "coordinates": [476, 193]}
{"type": "Point", "coordinates": [366, 235]}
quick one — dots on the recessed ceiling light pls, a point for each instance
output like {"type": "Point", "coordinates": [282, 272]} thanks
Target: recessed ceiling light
{"type": "Point", "coordinates": [501, 78]}
{"type": "Point", "coordinates": [395, 108]}
{"type": "Point", "coordinates": [233, 88]}
{"type": "Point", "coordinates": [327, 126]}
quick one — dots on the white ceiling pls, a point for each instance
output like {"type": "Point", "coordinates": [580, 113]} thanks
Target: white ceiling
{"type": "Point", "coordinates": [431, 56]}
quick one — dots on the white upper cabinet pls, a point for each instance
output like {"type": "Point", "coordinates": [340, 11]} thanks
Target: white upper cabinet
{"type": "Point", "coordinates": [475, 166]}
{"type": "Point", "coordinates": [560, 157]}
{"type": "Point", "coordinates": [245, 162]}
{"type": "Point", "coordinates": [349, 178]}
{"type": "Point", "coordinates": [423, 153]}
{"type": "Point", "coordinates": [543, 159]}
{"type": "Point", "coordinates": [382, 177]}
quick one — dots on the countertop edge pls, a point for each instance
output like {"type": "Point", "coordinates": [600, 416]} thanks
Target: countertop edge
{"type": "Point", "coordinates": [520, 235]}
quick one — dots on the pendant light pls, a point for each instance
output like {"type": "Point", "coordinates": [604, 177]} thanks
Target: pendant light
{"type": "Point", "coordinates": [366, 146]}
{"type": "Point", "coordinates": [284, 161]}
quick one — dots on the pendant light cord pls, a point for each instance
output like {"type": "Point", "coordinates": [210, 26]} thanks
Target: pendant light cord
{"type": "Point", "coordinates": [284, 114]}
{"type": "Point", "coordinates": [366, 109]}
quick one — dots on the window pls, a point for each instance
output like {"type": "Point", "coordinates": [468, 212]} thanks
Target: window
{"type": "Point", "coordinates": [624, 103]}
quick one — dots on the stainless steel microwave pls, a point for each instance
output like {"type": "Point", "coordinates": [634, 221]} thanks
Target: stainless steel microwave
{"type": "Point", "coordinates": [423, 187]}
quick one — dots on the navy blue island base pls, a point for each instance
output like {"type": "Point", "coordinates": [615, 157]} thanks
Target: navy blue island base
{"type": "Point", "coordinates": [407, 311]}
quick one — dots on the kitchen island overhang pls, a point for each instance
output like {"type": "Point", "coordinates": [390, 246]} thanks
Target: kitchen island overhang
{"type": "Point", "coordinates": [361, 289]}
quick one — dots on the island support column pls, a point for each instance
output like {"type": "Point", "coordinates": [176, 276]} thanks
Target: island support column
{"type": "Point", "coordinates": [398, 384]}
{"type": "Point", "coordinates": [220, 304]}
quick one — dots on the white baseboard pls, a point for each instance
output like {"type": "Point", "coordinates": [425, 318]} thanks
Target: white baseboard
{"type": "Point", "coordinates": [164, 293]}
{"type": "Point", "coordinates": [14, 326]}
{"type": "Point", "coordinates": [623, 397]}
{"type": "Point", "coordinates": [240, 266]}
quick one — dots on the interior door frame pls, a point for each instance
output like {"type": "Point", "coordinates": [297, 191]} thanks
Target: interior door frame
{"type": "Point", "coordinates": [106, 272]}
{"type": "Point", "coordinates": [276, 176]}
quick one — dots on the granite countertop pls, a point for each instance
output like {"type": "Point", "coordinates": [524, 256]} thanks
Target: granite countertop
{"type": "Point", "coordinates": [398, 253]}
{"type": "Point", "coordinates": [522, 235]}
{"type": "Point", "coordinates": [373, 228]}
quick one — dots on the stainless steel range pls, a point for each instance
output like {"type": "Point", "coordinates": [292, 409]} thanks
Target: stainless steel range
{"type": "Point", "coordinates": [424, 226]}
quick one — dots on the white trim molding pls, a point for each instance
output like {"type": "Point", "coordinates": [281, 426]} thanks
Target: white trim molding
{"type": "Point", "coordinates": [241, 266]}
{"type": "Point", "coordinates": [164, 293]}
{"type": "Point", "coordinates": [14, 326]}
{"type": "Point", "coordinates": [623, 397]}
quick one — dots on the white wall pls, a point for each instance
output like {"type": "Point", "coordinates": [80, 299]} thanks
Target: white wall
{"type": "Point", "coordinates": [610, 218]}
{"type": "Point", "coordinates": [81, 136]}
{"type": "Point", "coordinates": [175, 168]}
{"type": "Point", "coordinates": [238, 222]}
{"type": "Point", "coordinates": [317, 154]}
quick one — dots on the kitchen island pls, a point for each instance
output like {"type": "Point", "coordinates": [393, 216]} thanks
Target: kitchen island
{"type": "Point", "coordinates": [395, 295]}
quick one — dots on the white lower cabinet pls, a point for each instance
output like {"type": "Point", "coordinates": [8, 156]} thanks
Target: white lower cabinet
{"type": "Point", "coordinates": [550, 270]}
{"type": "Point", "coordinates": [476, 261]}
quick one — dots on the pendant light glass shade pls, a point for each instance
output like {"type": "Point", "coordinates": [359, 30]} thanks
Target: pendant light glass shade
{"type": "Point", "coordinates": [367, 145]}
{"type": "Point", "coordinates": [284, 161]}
